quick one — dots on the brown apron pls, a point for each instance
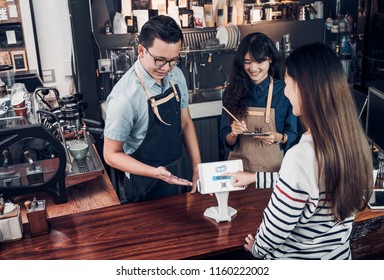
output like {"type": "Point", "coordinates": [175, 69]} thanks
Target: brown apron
{"type": "Point", "coordinates": [257, 156]}
{"type": "Point", "coordinates": [155, 103]}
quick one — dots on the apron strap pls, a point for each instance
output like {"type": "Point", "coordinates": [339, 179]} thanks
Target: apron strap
{"type": "Point", "coordinates": [175, 91]}
{"type": "Point", "coordinates": [155, 103]}
{"type": "Point", "coordinates": [269, 101]}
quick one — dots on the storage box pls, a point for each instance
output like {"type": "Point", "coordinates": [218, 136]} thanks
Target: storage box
{"type": "Point", "coordinates": [11, 227]}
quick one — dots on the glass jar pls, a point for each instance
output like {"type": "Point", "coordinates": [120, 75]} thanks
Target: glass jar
{"type": "Point", "coordinates": [7, 76]}
{"type": "Point", "coordinates": [18, 87]}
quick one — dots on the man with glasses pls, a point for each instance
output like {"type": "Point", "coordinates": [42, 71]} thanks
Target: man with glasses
{"type": "Point", "coordinates": [148, 118]}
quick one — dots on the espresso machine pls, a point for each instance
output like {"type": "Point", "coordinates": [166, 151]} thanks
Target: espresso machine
{"type": "Point", "coordinates": [32, 160]}
{"type": "Point", "coordinates": [52, 153]}
{"type": "Point", "coordinates": [66, 122]}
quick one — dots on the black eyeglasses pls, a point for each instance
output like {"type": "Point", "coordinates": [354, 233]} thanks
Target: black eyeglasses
{"type": "Point", "coordinates": [160, 62]}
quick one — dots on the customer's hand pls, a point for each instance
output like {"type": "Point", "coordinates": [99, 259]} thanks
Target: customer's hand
{"type": "Point", "coordinates": [241, 178]}
{"type": "Point", "coordinates": [163, 174]}
{"type": "Point", "coordinates": [195, 177]}
{"type": "Point", "coordinates": [250, 240]}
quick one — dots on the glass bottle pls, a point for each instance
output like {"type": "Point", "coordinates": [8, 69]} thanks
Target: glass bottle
{"type": "Point", "coordinates": [345, 45]}
{"type": "Point", "coordinates": [348, 22]}
{"type": "Point", "coordinates": [338, 7]}
{"type": "Point", "coordinates": [329, 21]}
{"type": "Point", "coordinates": [342, 25]}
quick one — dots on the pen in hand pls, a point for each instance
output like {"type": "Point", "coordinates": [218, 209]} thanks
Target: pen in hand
{"type": "Point", "coordinates": [236, 119]}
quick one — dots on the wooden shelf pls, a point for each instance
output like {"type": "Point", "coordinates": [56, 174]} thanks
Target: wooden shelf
{"type": "Point", "coordinates": [7, 52]}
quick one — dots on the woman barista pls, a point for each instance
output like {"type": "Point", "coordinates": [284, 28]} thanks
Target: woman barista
{"type": "Point", "coordinates": [255, 98]}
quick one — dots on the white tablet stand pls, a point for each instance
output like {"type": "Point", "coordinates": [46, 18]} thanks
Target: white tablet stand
{"type": "Point", "coordinates": [222, 212]}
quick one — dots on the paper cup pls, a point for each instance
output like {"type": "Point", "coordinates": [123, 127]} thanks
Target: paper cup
{"type": "Point", "coordinates": [18, 102]}
{"type": "Point", "coordinates": [21, 112]}
{"type": "Point", "coordinates": [18, 94]}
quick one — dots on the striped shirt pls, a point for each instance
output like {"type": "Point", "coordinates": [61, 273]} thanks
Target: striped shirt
{"type": "Point", "coordinates": [297, 224]}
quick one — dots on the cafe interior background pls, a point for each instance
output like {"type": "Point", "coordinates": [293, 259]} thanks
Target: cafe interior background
{"type": "Point", "coordinates": [66, 55]}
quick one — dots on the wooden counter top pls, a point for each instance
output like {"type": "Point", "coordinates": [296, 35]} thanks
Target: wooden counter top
{"type": "Point", "coordinates": [93, 194]}
{"type": "Point", "coordinates": [170, 228]}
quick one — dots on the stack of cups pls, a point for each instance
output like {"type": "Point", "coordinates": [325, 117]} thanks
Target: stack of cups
{"type": "Point", "coordinates": [20, 100]}
{"type": "Point", "coordinates": [18, 104]}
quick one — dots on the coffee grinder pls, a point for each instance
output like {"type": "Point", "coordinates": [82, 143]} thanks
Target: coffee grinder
{"type": "Point", "coordinates": [122, 59]}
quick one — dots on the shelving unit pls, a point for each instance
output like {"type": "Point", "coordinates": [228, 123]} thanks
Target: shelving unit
{"type": "Point", "coordinates": [339, 37]}
{"type": "Point", "coordinates": [12, 42]}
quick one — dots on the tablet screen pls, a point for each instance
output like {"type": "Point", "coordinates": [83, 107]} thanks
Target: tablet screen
{"type": "Point", "coordinates": [377, 199]}
{"type": "Point", "coordinates": [254, 134]}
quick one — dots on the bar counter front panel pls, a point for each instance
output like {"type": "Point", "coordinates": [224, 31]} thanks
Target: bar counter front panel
{"type": "Point", "coordinates": [169, 228]}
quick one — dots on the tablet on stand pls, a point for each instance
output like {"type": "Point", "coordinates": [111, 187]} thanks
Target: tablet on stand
{"type": "Point", "coordinates": [212, 180]}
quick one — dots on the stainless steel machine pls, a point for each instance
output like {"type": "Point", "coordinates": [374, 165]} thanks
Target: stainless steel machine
{"type": "Point", "coordinates": [32, 160]}
{"type": "Point", "coordinates": [66, 122]}
{"type": "Point", "coordinates": [121, 59]}
{"type": "Point", "coordinates": [51, 154]}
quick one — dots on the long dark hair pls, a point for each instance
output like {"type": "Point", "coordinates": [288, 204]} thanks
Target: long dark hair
{"type": "Point", "coordinates": [238, 92]}
{"type": "Point", "coordinates": [328, 110]}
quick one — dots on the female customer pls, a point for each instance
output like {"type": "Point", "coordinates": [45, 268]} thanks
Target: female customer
{"type": "Point", "coordinates": [255, 99]}
{"type": "Point", "coordinates": [326, 178]}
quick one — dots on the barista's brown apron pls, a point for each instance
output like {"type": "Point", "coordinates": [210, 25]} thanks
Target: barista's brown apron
{"type": "Point", "coordinates": [257, 156]}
